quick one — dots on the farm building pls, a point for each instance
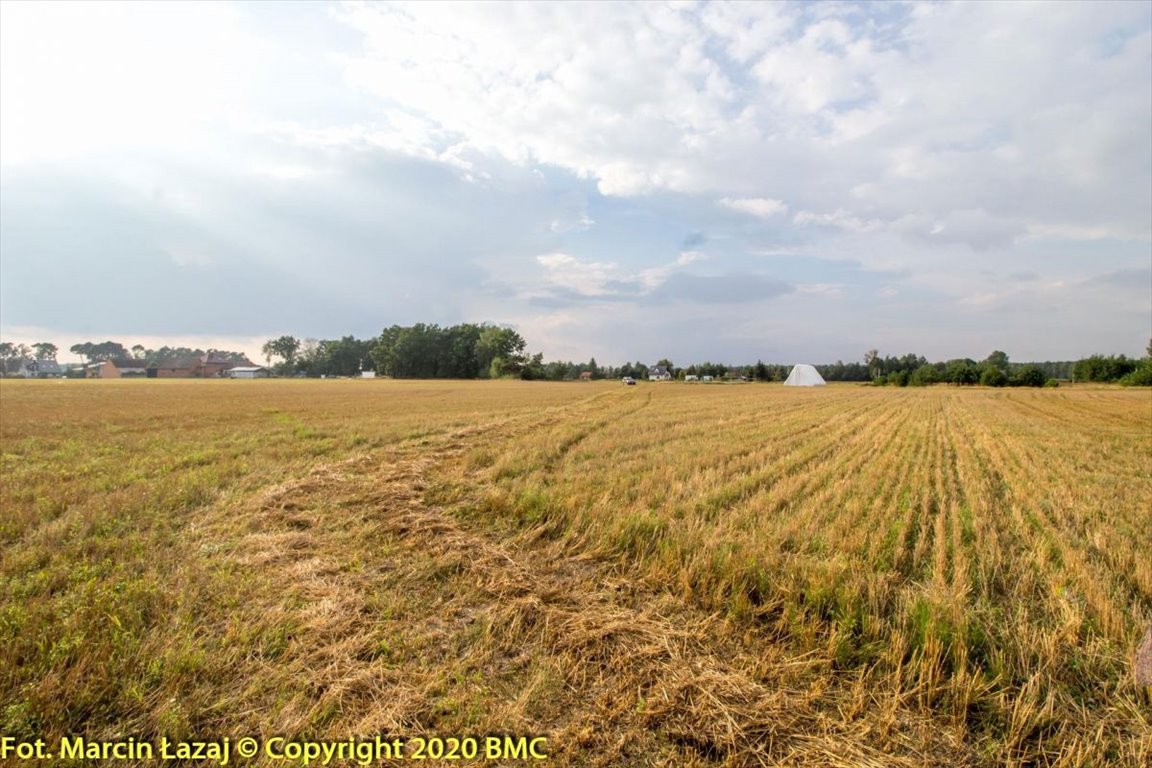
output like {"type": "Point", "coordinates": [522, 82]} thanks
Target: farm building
{"type": "Point", "coordinates": [41, 369]}
{"type": "Point", "coordinates": [659, 373]}
{"type": "Point", "coordinates": [120, 368]}
{"type": "Point", "coordinates": [247, 372]}
{"type": "Point", "coordinates": [204, 367]}
{"type": "Point", "coordinates": [804, 376]}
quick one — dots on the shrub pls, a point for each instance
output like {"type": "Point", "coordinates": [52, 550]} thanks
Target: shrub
{"type": "Point", "coordinates": [924, 375]}
{"type": "Point", "coordinates": [1141, 377]}
{"type": "Point", "coordinates": [1028, 376]}
{"type": "Point", "coordinates": [993, 377]}
{"type": "Point", "coordinates": [897, 379]}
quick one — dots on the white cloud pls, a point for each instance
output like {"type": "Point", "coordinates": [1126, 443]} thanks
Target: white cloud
{"type": "Point", "coordinates": [900, 108]}
{"type": "Point", "coordinates": [568, 272]}
{"type": "Point", "coordinates": [840, 219]}
{"type": "Point", "coordinates": [82, 77]}
{"type": "Point", "coordinates": [834, 290]}
{"type": "Point", "coordinates": [687, 257]}
{"type": "Point", "coordinates": [764, 208]}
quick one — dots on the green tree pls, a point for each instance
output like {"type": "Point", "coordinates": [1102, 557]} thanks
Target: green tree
{"type": "Point", "coordinates": [897, 378]}
{"type": "Point", "coordinates": [962, 372]}
{"type": "Point", "coordinates": [346, 356]}
{"type": "Point", "coordinates": [1141, 376]}
{"type": "Point", "coordinates": [872, 360]}
{"type": "Point", "coordinates": [504, 343]}
{"type": "Point", "coordinates": [999, 360]}
{"type": "Point", "coordinates": [12, 356]}
{"type": "Point", "coordinates": [924, 375]}
{"type": "Point", "coordinates": [534, 368]}
{"type": "Point", "coordinates": [105, 350]}
{"type": "Point", "coordinates": [45, 350]}
{"type": "Point", "coordinates": [84, 350]}
{"type": "Point", "coordinates": [285, 348]}
{"type": "Point", "coordinates": [1102, 369]}
{"type": "Point", "coordinates": [384, 351]}
{"type": "Point", "coordinates": [416, 353]}
{"type": "Point", "coordinates": [991, 376]}
{"type": "Point", "coordinates": [1028, 376]}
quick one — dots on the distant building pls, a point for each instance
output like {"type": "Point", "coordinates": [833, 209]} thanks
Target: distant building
{"type": "Point", "coordinates": [184, 368]}
{"type": "Point", "coordinates": [128, 367]}
{"type": "Point", "coordinates": [659, 373]}
{"type": "Point", "coordinates": [203, 367]}
{"type": "Point", "coordinates": [208, 366]}
{"type": "Point", "coordinates": [41, 369]}
{"type": "Point", "coordinates": [247, 372]}
{"type": "Point", "coordinates": [585, 375]}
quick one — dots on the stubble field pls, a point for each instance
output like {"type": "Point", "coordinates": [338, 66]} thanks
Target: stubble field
{"type": "Point", "coordinates": [665, 574]}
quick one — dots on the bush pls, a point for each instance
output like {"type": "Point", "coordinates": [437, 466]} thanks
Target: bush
{"type": "Point", "coordinates": [1141, 377]}
{"type": "Point", "coordinates": [993, 377]}
{"type": "Point", "coordinates": [924, 375]}
{"type": "Point", "coordinates": [962, 372]}
{"type": "Point", "coordinates": [1028, 376]}
{"type": "Point", "coordinates": [897, 379]}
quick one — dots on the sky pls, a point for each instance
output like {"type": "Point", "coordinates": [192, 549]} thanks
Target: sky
{"type": "Point", "coordinates": [788, 182]}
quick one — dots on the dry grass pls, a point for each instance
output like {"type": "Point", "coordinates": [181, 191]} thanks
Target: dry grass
{"type": "Point", "coordinates": [659, 575]}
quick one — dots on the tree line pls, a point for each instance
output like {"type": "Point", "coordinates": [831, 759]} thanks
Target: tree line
{"type": "Point", "coordinates": [484, 351]}
{"type": "Point", "coordinates": [421, 351]}
{"type": "Point", "coordinates": [13, 356]}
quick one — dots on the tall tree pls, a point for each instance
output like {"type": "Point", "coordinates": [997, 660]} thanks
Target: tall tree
{"type": "Point", "coordinates": [503, 343]}
{"type": "Point", "coordinates": [84, 350]}
{"type": "Point", "coordinates": [12, 355]}
{"type": "Point", "coordinates": [45, 350]}
{"type": "Point", "coordinates": [998, 360]}
{"type": "Point", "coordinates": [284, 347]}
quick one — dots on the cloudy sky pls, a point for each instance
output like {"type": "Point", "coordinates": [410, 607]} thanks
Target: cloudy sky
{"type": "Point", "coordinates": [788, 182]}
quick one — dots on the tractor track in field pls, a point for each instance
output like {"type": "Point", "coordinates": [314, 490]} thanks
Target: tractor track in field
{"type": "Point", "coordinates": [517, 633]}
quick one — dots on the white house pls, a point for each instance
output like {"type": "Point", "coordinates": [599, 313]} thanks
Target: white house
{"type": "Point", "coordinates": [41, 369]}
{"type": "Point", "coordinates": [247, 372]}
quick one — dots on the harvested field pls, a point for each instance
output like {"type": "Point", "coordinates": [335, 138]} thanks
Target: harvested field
{"type": "Point", "coordinates": [666, 574]}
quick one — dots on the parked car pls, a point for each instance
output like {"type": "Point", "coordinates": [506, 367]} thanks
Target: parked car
{"type": "Point", "coordinates": [629, 381]}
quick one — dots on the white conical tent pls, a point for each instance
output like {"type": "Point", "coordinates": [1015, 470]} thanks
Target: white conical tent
{"type": "Point", "coordinates": [804, 376]}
